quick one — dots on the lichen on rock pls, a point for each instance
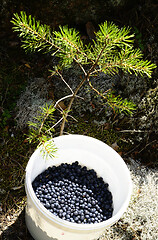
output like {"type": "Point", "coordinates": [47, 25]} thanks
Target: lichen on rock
{"type": "Point", "coordinates": [31, 100]}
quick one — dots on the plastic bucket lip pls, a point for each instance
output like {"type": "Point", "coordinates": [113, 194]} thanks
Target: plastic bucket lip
{"type": "Point", "coordinates": [65, 223]}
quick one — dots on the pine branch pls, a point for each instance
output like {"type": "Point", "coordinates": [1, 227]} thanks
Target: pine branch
{"type": "Point", "coordinates": [110, 34]}
{"type": "Point", "coordinates": [120, 105]}
{"type": "Point", "coordinates": [35, 36]}
{"type": "Point", "coordinates": [131, 61]}
{"type": "Point", "coordinates": [111, 50]}
{"type": "Point", "coordinates": [66, 43]}
{"type": "Point", "coordinates": [116, 103]}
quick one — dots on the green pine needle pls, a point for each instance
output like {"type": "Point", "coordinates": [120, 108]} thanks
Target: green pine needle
{"type": "Point", "coordinates": [111, 51]}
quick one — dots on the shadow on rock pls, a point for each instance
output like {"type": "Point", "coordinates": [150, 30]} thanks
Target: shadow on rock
{"type": "Point", "coordinates": [18, 230]}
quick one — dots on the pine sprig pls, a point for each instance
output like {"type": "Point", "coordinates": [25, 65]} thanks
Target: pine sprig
{"type": "Point", "coordinates": [131, 61]}
{"type": "Point", "coordinates": [111, 51]}
{"type": "Point", "coordinates": [68, 39]}
{"type": "Point", "coordinates": [35, 36]}
{"type": "Point", "coordinates": [120, 105]}
{"type": "Point", "coordinates": [115, 102]}
{"type": "Point", "coordinates": [110, 34]}
{"type": "Point", "coordinates": [114, 44]}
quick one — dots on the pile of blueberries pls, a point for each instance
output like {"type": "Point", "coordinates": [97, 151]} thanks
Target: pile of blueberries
{"type": "Point", "coordinates": [74, 193]}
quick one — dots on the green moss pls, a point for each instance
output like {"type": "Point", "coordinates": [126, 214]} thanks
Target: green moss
{"type": "Point", "coordinates": [89, 128]}
{"type": "Point", "coordinates": [15, 153]}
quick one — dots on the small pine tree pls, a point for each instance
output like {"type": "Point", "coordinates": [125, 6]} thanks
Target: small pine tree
{"type": "Point", "coordinates": [111, 51]}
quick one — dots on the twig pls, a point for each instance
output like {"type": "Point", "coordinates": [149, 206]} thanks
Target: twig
{"type": "Point", "coordinates": [96, 71]}
{"type": "Point", "coordinates": [86, 77]}
{"type": "Point", "coordinates": [146, 146]}
{"type": "Point", "coordinates": [71, 102]}
{"type": "Point", "coordinates": [5, 200]}
{"type": "Point", "coordinates": [65, 97]}
{"type": "Point", "coordinates": [73, 118]}
{"type": "Point", "coordinates": [18, 164]}
{"type": "Point", "coordinates": [99, 93]}
{"type": "Point", "coordinates": [17, 188]}
{"type": "Point", "coordinates": [5, 95]}
{"type": "Point", "coordinates": [20, 155]}
{"type": "Point", "coordinates": [80, 66]}
{"type": "Point", "coordinates": [132, 150]}
{"type": "Point", "coordinates": [55, 124]}
{"type": "Point", "coordinates": [47, 114]}
{"type": "Point", "coordinates": [138, 146]}
{"type": "Point", "coordinates": [134, 131]}
{"type": "Point", "coordinates": [64, 81]}
{"type": "Point", "coordinates": [61, 99]}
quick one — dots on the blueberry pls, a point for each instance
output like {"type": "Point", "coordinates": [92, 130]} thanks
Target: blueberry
{"type": "Point", "coordinates": [89, 220]}
{"type": "Point", "coordinates": [93, 210]}
{"type": "Point", "coordinates": [62, 169]}
{"type": "Point", "coordinates": [74, 193]}
{"type": "Point", "coordinates": [107, 206]}
{"type": "Point", "coordinates": [89, 205]}
{"type": "Point", "coordinates": [67, 216]}
{"type": "Point", "coordinates": [90, 214]}
{"type": "Point", "coordinates": [104, 218]}
{"type": "Point", "coordinates": [93, 202]}
{"type": "Point", "coordinates": [62, 201]}
{"type": "Point", "coordinates": [82, 217]}
{"type": "Point", "coordinates": [47, 205]}
{"type": "Point", "coordinates": [92, 220]}
{"type": "Point", "coordinates": [64, 214]}
{"type": "Point", "coordinates": [72, 220]}
{"type": "Point", "coordinates": [52, 206]}
{"type": "Point", "coordinates": [75, 213]}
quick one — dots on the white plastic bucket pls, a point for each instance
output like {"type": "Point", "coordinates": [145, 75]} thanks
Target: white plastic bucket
{"type": "Point", "coordinates": [89, 152]}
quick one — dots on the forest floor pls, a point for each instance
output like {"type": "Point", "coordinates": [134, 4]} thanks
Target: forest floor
{"type": "Point", "coordinates": [15, 69]}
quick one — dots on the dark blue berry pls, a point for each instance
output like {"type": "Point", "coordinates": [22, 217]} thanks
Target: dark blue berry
{"type": "Point", "coordinates": [47, 205]}
{"type": "Point", "coordinates": [74, 193]}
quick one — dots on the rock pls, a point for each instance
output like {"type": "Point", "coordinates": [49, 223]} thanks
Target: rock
{"type": "Point", "coordinates": [65, 12]}
{"type": "Point", "coordinates": [115, 146]}
{"type": "Point", "coordinates": [31, 101]}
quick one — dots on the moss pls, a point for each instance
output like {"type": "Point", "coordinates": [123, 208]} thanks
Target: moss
{"type": "Point", "coordinates": [108, 135]}
{"type": "Point", "coordinates": [15, 153]}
